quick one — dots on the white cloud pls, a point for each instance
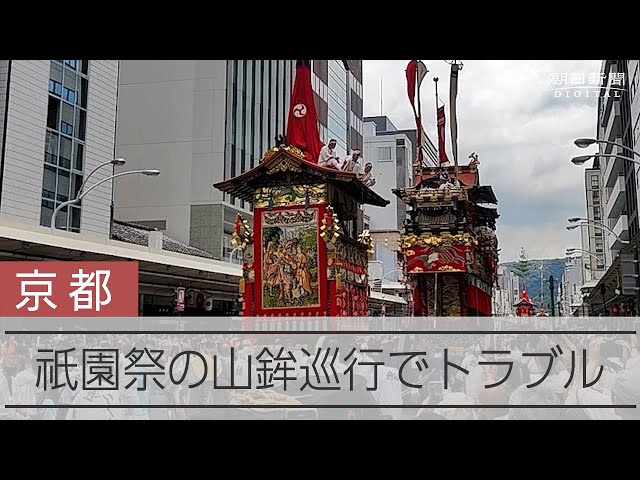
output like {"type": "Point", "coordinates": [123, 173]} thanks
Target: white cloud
{"type": "Point", "coordinates": [507, 114]}
{"type": "Point", "coordinates": [540, 241]}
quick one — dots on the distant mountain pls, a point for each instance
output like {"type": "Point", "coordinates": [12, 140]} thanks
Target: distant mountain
{"type": "Point", "coordinates": [552, 266]}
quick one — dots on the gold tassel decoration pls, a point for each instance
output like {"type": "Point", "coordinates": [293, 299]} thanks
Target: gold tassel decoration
{"type": "Point", "coordinates": [338, 281]}
{"type": "Point", "coordinates": [330, 228]}
{"type": "Point", "coordinates": [241, 286]}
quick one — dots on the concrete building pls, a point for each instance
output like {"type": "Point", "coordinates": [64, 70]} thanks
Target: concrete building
{"type": "Point", "coordinates": [391, 157]}
{"type": "Point", "coordinates": [203, 121]}
{"type": "Point", "coordinates": [338, 93]}
{"type": "Point", "coordinates": [507, 293]}
{"type": "Point", "coordinates": [619, 209]}
{"type": "Point", "coordinates": [633, 70]}
{"type": "Point", "coordinates": [574, 276]}
{"type": "Point", "coordinates": [617, 121]}
{"type": "Point", "coordinates": [384, 126]}
{"type": "Point", "coordinates": [593, 237]}
{"type": "Point", "coordinates": [57, 123]}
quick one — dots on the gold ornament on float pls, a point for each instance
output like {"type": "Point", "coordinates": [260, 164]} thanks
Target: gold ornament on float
{"type": "Point", "coordinates": [242, 235]}
{"type": "Point", "coordinates": [330, 228]}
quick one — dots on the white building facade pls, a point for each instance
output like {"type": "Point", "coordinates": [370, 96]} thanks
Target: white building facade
{"type": "Point", "coordinates": [506, 293]}
{"type": "Point", "coordinates": [57, 124]}
{"type": "Point", "coordinates": [576, 273]}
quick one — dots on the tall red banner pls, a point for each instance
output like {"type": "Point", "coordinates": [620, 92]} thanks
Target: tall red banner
{"type": "Point", "coordinates": [302, 126]}
{"type": "Point", "coordinates": [411, 83]}
{"type": "Point", "coordinates": [441, 142]}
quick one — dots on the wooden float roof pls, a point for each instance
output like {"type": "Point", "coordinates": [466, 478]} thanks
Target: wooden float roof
{"type": "Point", "coordinates": [283, 159]}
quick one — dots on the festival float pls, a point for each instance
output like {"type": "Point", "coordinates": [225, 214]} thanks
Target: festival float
{"type": "Point", "coordinates": [305, 259]}
{"type": "Point", "coordinates": [449, 244]}
{"type": "Point", "coordinates": [524, 307]}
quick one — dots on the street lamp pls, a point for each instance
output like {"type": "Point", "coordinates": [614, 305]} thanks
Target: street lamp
{"type": "Point", "coordinates": [585, 142]}
{"type": "Point", "coordinates": [83, 193]}
{"type": "Point", "coordinates": [580, 159]}
{"type": "Point", "coordinates": [389, 273]}
{"type": "Point", "coordinates": [571, 251]}
{"type": "Point", "coordinates": [116, 162]}
{"type": "Point", "coordinates": [585, 267]}
{"type": "Point", "coordinates": [599, 224]}
{"type": "Point", "coordinates": [232, 252]}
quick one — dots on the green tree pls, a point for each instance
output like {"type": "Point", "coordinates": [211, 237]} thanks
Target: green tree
{"type": "Point", "coordinates": [524, 266]}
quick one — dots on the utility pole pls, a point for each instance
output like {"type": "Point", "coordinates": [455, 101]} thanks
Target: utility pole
{"type": "Point", "coordinates": [551, 300]}
{"type": "Point", "coordinates": [542, 283]}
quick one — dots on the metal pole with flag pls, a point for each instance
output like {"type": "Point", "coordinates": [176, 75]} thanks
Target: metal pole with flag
{"type": "Point", "coordinates": [453, 94]}
{"type": "Point", "coordinates": [421, 72]}
{"type": "Point", "coordinates": [416, 71]}
{"type": "Point", "coordinates": [440, 123]}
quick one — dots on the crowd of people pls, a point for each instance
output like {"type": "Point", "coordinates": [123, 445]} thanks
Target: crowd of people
{"type": "Point", "coordinates": [351, 163]}
{"type": "Point", "coordinates": [619, 382]}
{"type": "Point", "coordinates": [562, 386]}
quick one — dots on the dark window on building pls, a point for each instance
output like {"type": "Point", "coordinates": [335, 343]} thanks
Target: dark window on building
{"type": "Point", "coordinates": [81, 98]}
{"type": "Point", "coordinates": [46, 212]}
{"type": "Point", "coordinates": [75, 185]}
{"type": "Point", "coordinates": [51, 148]}
{"type": "Point", "coordinates": [78, 156]}
{"type": "Point", "coordinates": [53, 113]}
{"type": "Point", "coordinates": [384, 154]}
{"type": "Point", "coordinates": [321, 69]}
{"type": "Point", "coordinates": [599, 245]}
{"type": "Point", "coordinates": [64, 159]}
{"type": "Point", "coordinates": [356, 139]}
{"type": "Point", "coordinates": [356, 104]}
{"type": "Point", "coordinates": [49, 182]}
{"type": "Point", "coordinates": [64, 141]}
{"type": "Point", "coordinates": [66, 122]}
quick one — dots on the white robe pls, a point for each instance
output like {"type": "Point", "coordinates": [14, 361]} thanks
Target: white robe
{"type": "Point", "coordinates": [25, 392]}
{"type": "Point", "coordinates": [349, 165]}
{"type": "Point", "coordinates": [366, 178]}
{"type": "Point", "coordinates": [328, 158]}
{"type": "Point", "coordinates": [5, 398]}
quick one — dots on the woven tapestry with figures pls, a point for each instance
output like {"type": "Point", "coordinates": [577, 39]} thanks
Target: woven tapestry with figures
{"type": "Point", "coordinates": [289, 259]}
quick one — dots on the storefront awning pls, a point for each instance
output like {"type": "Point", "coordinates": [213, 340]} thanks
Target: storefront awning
{"type": "Point", "coordinates": [156, 267]}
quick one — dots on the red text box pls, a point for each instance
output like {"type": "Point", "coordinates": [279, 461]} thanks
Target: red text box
{"type": "Point", "coordinates": [69, 289]}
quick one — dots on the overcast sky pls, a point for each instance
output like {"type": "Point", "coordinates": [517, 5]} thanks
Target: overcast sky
{"type": "Point", "coordinates": [508, 113]}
